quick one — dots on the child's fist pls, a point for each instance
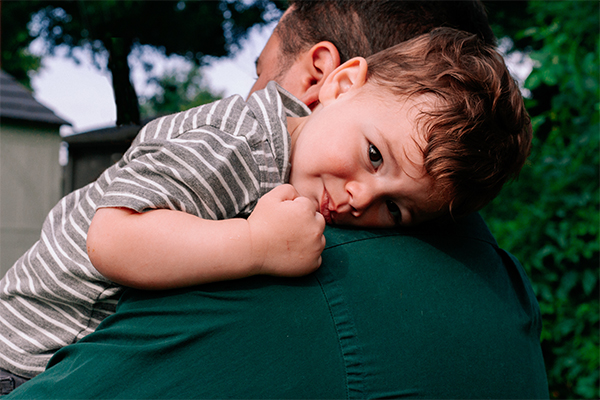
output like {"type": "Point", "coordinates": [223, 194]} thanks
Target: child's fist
{"type": "Point", "coordinates": [287, 233]}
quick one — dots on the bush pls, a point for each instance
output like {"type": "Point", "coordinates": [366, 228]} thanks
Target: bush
{"type": "Point", "coordinates": [549, 218]}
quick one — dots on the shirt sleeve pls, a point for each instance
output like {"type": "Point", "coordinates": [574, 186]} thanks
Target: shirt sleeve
{"type": "Point", "coordinates": [204, 172]}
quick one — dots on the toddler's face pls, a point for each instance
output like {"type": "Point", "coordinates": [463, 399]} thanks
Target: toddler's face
{"type": "Point", "coordinates": [357, 158]}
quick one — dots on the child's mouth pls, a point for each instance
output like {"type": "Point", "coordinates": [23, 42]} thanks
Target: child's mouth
{"type": "Point", "coordinates": [325, 207]}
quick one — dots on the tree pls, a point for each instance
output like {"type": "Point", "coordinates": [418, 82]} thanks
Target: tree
{"type": "Point", "coordinates": [114, 29]}
{"type": "Point", "coordinates": [178, 90]}
{"type": "Point", "coordinates": [549, 218]}
{"type": "Point", "coordinates": [15, 59]}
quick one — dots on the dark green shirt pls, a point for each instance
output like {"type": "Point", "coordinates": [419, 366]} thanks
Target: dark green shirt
{"type": "Point", "coordinates": [440, 312]}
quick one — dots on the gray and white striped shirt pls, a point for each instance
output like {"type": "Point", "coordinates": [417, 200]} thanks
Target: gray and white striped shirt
{"type": "Point", "coordinates": [213, 161]}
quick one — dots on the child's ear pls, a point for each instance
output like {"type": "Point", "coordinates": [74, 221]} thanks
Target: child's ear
{"type": "Point", "coordinates": [350, 75]}
{"type": "Point", "coordinates": [317, 63]}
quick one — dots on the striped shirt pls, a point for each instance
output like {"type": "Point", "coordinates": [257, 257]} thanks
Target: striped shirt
{"type": "Point", "coordinates": [213, 161]}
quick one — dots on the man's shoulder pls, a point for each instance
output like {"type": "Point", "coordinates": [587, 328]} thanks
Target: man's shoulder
{"type": "Point", "coordinates": [470, 227]}
{"type": "Point", "coordinates": [446, 296]}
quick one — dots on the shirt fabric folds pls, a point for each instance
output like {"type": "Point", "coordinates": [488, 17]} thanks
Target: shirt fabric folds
{"type": "Point", "coordinates": [214, 161]}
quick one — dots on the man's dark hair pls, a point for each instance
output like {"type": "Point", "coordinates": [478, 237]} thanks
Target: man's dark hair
{"type": "Point", "coordinates": [361, 28]}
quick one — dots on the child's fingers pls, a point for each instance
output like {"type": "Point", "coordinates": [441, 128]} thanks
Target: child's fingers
{"type": "Point", "coordinates": [321, 223]}
{"type": "Point", "coordinates": [320, 219]}
{"type": "Point", "coordinates": [310, 206]}
{"type": "Point", "coordinates": [284, 192]}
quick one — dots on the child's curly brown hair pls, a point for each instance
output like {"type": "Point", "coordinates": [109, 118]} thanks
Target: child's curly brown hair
{"type": "Point", "coordinates": [478, 133]}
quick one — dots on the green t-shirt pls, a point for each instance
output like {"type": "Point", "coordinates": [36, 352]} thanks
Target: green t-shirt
{"type": "Point", "coordinates": [439, 312]}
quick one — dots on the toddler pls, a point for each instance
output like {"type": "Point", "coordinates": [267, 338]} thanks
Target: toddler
{"type": "Point", "coordinates": [429, 128]}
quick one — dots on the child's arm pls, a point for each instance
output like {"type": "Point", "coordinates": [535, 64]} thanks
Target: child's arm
{"type": "Point", "coordinates": [164, 249]}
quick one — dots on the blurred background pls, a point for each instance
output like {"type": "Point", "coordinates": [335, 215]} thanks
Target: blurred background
{"type": "Point", "coordinates": [79, 77]}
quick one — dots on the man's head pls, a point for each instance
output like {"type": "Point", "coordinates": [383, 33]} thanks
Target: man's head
{"type": "Point", "coordinates": [431, 126]}
{"type": "Point", "coordinates": [365, 27]}
{"type": "Point", "coordinates": [315, 37]}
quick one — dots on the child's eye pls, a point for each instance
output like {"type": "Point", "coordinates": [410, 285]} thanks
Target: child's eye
{"type": "Point", "coordinates": [375, 156]}
{"type": "Point", "coordinates": [394, 211]}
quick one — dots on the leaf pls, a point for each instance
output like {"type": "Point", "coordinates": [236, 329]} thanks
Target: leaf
{"type": "Point", "coordinates": [589, 281]}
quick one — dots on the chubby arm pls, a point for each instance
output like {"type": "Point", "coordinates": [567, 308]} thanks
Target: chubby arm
{"type": "Point", "coordinates": [164, 249]}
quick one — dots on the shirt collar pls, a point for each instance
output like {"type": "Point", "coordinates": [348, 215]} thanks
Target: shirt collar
{"type": "Point", "coordinates": [275, 104]}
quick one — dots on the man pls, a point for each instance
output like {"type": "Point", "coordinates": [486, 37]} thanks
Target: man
{"type": "Point", "coordinates": [434, 312]}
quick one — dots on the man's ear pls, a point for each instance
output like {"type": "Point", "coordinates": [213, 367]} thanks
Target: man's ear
{"type": "Point", "coordinates": [316, 65]}
{"type": "Point", "coordinates": [350, 75]}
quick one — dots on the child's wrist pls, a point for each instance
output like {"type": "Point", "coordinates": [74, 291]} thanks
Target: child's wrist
{"type": "Point", "coordinates": [258, 249]}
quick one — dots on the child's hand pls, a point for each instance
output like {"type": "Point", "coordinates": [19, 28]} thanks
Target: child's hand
{"type": "Point", "coordinates": [286, 233]}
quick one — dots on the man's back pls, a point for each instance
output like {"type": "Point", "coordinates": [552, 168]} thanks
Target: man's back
{"type": "Point", "coordinates": [440, 313]}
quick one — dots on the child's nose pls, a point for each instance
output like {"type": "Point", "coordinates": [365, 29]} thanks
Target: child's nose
{"type": "Point", "coordinates": [361, 197]}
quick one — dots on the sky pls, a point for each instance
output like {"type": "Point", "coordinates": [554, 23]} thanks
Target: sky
{"type": "Point", "coordinates": [82, 94]}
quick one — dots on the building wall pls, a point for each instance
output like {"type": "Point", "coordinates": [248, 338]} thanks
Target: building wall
{"type": "Point", "coordinates": [30, 185]}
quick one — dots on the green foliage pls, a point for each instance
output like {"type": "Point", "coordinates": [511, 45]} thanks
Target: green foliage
{"type": "Point", "coordinates": [178, 91]}
{"type": "Point", "coordinates": [188, 28]}
{"type": "Point", "coordinates": [114, 28]}
{"type": "Point", "coordinates": [16, 60]}
{"type": "Point", "coordinates": [549, 218]}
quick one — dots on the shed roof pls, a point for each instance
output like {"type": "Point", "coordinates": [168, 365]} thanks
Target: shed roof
{"type": "Point", "coordinates": [115, 134]}
{"type": "Point", "coordinates": [17, 102]}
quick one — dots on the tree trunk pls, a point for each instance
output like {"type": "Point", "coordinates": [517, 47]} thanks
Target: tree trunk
{"type": "Point", "coordinates": [128, 111]}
